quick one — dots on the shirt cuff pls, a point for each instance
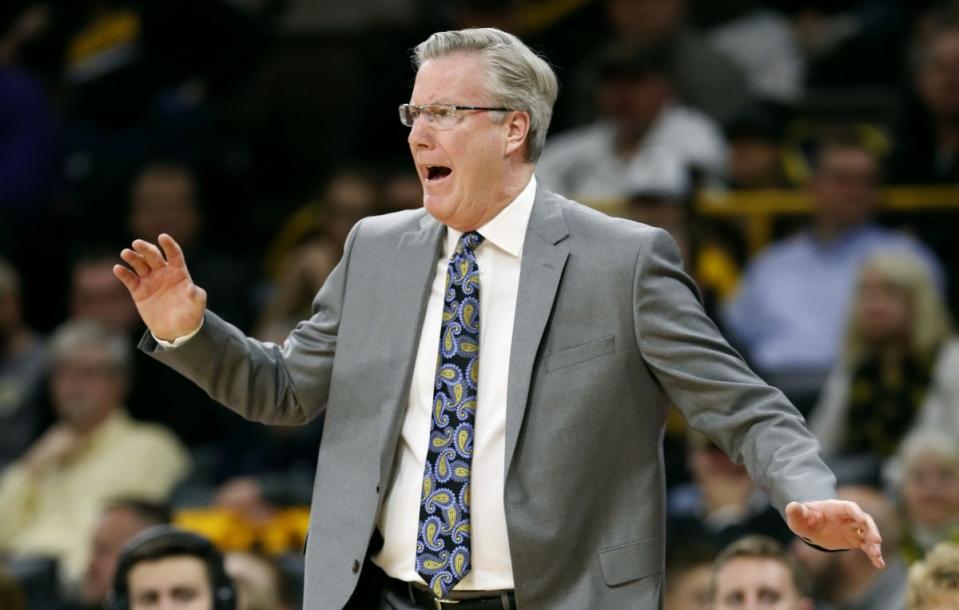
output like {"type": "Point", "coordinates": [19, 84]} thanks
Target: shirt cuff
{"type": "Point", "coordinates": [178, 341]}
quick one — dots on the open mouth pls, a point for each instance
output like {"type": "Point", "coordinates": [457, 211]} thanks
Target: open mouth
{"type": "Point", "coordinates": [437, 172]}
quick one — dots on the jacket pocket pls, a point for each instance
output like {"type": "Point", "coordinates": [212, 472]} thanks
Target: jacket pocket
{"type": "Point", "coordinates": [631, 561]}
{"type": "Point", "coordinates": [580, 353]}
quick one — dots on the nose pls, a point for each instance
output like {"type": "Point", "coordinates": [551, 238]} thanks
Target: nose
{"type": "Point", "coordinates": [421, 134]}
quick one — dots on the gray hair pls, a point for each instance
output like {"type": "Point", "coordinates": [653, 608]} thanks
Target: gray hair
{"type": "Point", "coordinates": [81, 334]}
{"type": "Point", "coordinates": [519, 79]}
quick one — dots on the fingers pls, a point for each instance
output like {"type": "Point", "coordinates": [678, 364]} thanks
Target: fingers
{"type": "Point", "coordinates": [136, 261]}
{"type": "Point", "coordinates": [130, 279]}
{"type": "Point", "coordinates": [172, 250]}
{"type": "Point", "coordinates": [150, 253]}
{"type": "Point", "coordinates": [874, 552]}
{"type": "Point", "coordinates": [867, 533]}
{"type": "Point", "coordinates": [863, 522]}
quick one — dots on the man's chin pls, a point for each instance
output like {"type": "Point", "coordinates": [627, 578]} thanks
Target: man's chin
{"type": "Point", "coordinates": [438, 206]}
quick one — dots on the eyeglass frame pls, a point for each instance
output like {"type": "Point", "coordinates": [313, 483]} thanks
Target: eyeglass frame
{"type": "Point", "coordinates": [454, 107]}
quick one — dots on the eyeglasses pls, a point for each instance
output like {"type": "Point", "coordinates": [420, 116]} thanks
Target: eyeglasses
{"type": "Point", "coordinates": [442, 116]}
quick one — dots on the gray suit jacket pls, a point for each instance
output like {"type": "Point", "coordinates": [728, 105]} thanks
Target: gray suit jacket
{"type": "Point", "coordinates": [608, 332]}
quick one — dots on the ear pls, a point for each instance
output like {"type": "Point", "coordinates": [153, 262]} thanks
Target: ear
{"type": "Point", "coordinates": [517, 128]}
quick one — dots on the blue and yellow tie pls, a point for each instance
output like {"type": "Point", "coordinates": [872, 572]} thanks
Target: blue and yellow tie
{"type": "Point", "coordinates": [443, 544]}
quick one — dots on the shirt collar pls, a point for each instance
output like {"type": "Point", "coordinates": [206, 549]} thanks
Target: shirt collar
{"type": "Point", "coordinates": [506, 230]}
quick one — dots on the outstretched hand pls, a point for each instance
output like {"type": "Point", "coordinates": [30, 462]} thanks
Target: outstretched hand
{"type": "Point", "coordinates": [836, 524]}
{"type": "Point", "coordinates": [170, 304]}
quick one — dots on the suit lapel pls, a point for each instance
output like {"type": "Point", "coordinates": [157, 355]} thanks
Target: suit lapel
{"type": "Point", "coordinates": [412, 267]}
{"type": "Point", "coordinates": [541, 270]}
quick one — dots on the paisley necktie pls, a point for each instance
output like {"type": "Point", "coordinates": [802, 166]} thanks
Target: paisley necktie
{"type": "Point", "coordinates": [443, 543]}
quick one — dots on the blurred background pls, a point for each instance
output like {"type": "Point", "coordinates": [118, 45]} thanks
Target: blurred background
{"type": "Point", "coordinates": [804, 155]}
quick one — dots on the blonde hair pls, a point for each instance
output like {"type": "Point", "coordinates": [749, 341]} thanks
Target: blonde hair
{"type": "Point", "coordinates": [909, 274]}
{"type": "Point", "coordinates": [937, 575]}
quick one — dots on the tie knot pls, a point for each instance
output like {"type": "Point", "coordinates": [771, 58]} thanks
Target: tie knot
{"type": "Point", "coordinates": [468, 242]}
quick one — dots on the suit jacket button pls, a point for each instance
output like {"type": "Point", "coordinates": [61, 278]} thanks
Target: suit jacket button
{"type": "Point", "coordinates": [377, 488]}
{"type": "Point", "coordinates": [356, 566]}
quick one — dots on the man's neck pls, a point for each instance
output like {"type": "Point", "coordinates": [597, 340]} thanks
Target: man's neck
{"type": "Point", "coordinates": [511, 186]}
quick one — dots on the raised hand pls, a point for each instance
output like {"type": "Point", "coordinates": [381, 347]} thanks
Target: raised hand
{"type": "Point", "coordinates": [170, 304]}
{"type": "Point", "coordinates": [836, 524]}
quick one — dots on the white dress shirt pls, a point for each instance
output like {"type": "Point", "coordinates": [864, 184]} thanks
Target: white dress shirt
{"type": "Point", "coordinates": [498, 259]}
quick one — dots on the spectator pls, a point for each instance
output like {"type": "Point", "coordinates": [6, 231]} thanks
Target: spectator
{"type": "Point", "coordinates": [166, 567]}
{"type": "Point", "coordinates": [934, 583]}
{"type": "Point", "coordinates": [50, 499]}
{"type": "Point", "coordinates": [926, 140]}
{"type": "Point", "coordinates": [788, 325]}
{"type": "Point", "coordinates": [845, 583]}
{"type": "Point", "coordinates": [640, 123]}
{"type": "Point", "coordinates": [762, 43]}
{"type": "Point", "coordinates": [117, 524]}
{"type": "Point", "coordinates": [756, 572]}
{"type": "Point", "coordinates": [899, 367]}
{"type": "Point", "coordinates": [22, 369]}
{"type": "Point", "coordinates": [703, 76]}
{"type": "Point", "coordinates": [929, 492]}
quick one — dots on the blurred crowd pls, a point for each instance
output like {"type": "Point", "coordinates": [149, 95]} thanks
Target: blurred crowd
{"type": "Point", "coordinates": [257, 132]}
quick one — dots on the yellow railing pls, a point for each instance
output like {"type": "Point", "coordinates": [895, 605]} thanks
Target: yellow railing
{"type": "Point", "coordinates": [759, 209]}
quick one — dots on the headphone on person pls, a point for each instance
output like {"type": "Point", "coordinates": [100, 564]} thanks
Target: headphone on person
{"type": "Point", "coordinates": [163, 541]}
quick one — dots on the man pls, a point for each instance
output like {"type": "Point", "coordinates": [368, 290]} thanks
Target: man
{"type": "Point", "coordinates": [584, 318]}
{"type": "Point", "coordinates": [755, 573]}
{"type": "Point", "coordinates": [118, 524]}
{"type": "Point", "coordinates": [168, 568]}
{"type": "Point", "coordinates": [787, 324]}
{"type": "Point", "coordinates": [641, 128]}
{"type": "Point", "coordinates": [51, 497]}
{"type": "Point", "coordinates": [843, 580]}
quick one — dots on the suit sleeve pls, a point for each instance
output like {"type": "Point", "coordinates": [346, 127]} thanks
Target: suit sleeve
{"type": "Point", "coordinates": [284, 384]}
{"type": "Point", "coordinates": [712, 386]}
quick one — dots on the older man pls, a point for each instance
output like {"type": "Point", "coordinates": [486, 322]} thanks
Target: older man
{"type": "Point", "coordinates": [94, 453]}
{"type": "Point", "coordinates": [518, 465]}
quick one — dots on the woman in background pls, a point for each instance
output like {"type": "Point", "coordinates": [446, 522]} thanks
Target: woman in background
{"type": "Point", "coordinates": [899, 369]}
